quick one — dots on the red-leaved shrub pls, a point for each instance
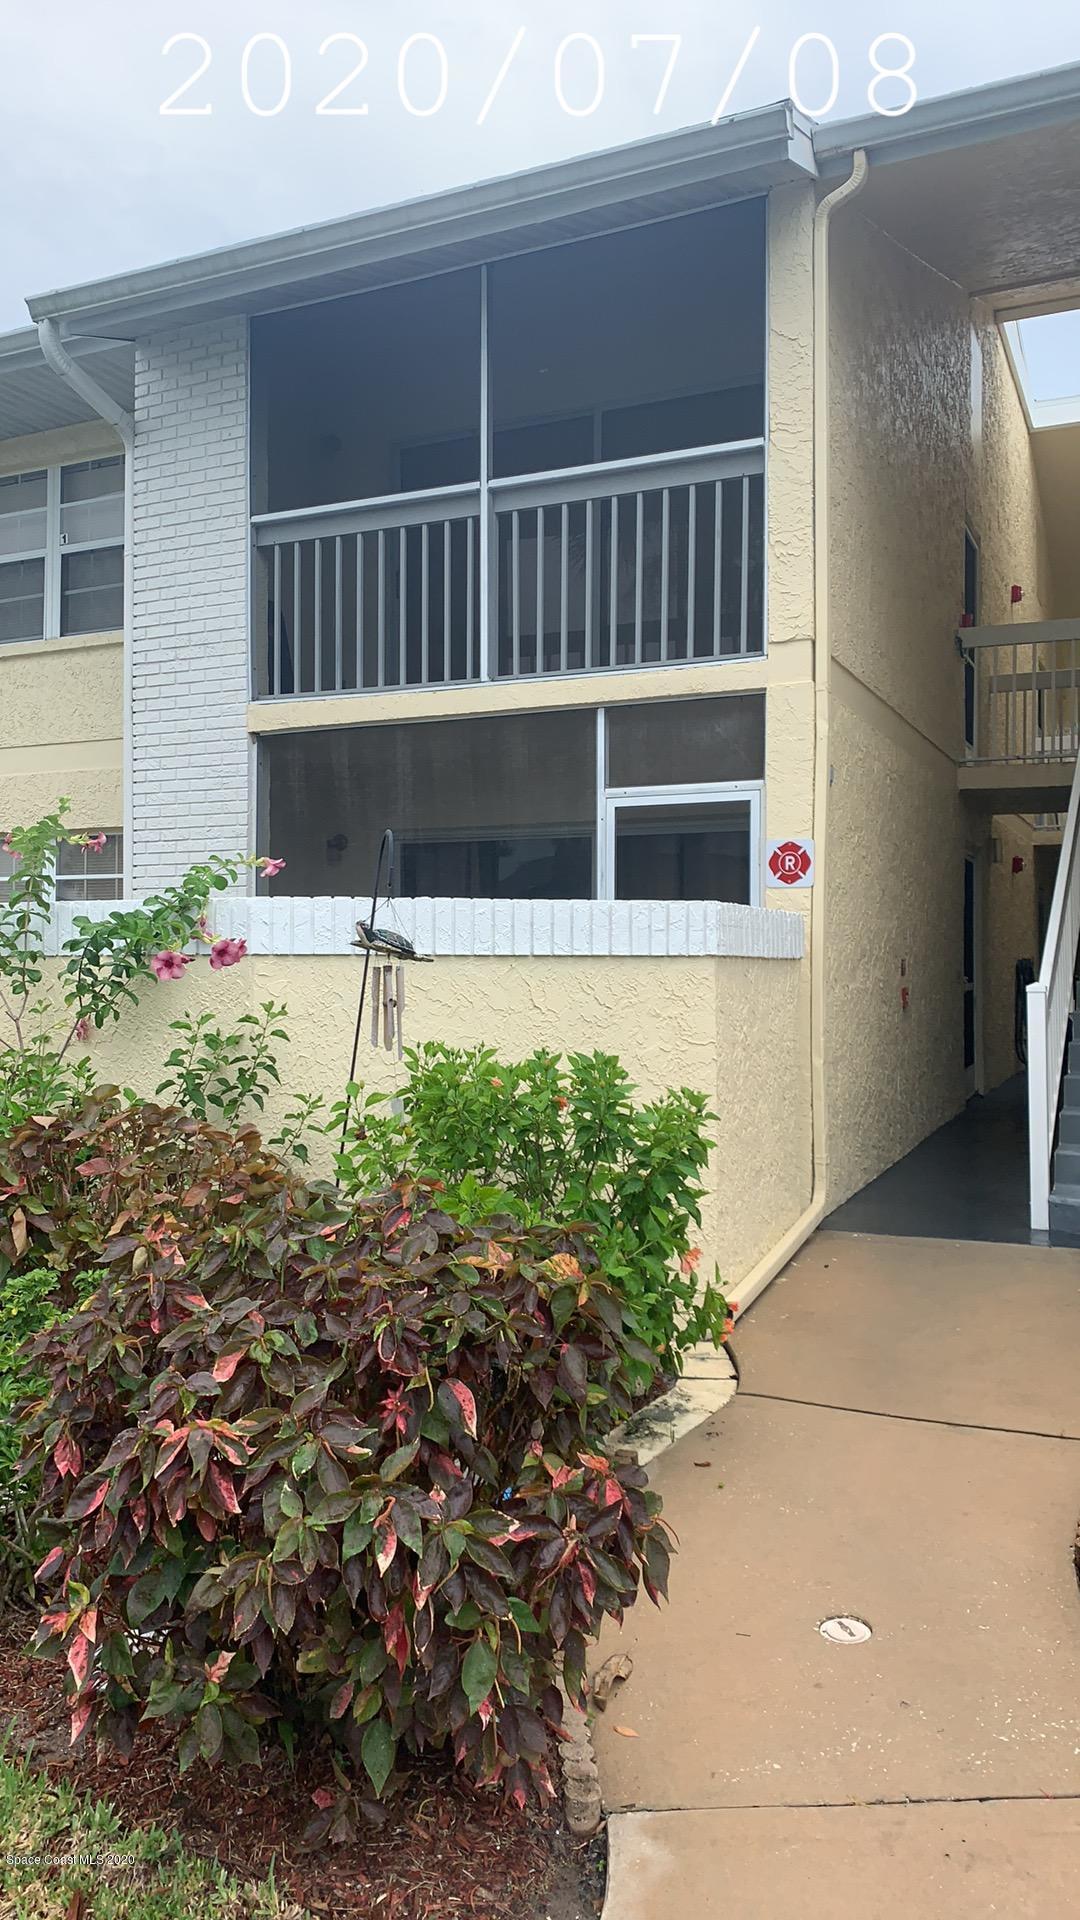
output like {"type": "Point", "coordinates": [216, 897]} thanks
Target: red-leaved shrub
{"type": "Point", "coordinates": [309, 1468]}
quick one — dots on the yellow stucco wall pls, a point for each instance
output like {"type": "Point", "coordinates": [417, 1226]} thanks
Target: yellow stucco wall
{"type": "Point", "coordinates": [61, 722]}
{"type": "Point", "coordinates": [732, 1028]}
{"type": "Point", "coordinates": [927, 433]}
{"type": "Point", "coordinates": [895, 923]}
{"type": "Point", "coordinates": [1005, 508]}
{"type": "Point", "coordinates": [789, 740]}
{"type": "Point", "coordinates": [60, 730]}
{"type": "Point", "coordinates": [1010, 903]}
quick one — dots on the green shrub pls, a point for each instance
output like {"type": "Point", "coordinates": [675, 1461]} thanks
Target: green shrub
{"type": "Point", "coordinates": [556, 1143]}
{"type": "Point", "coordinates": [325, 1468]}
{"type": "Point", "coordinates": [74, 1188]}
{"type": "Point", "coordinates": [38, 1080]}
{"type": "Point", "coordinates": [27, 1306]}
{"type": "Point", "coordinates": [220, 1074]}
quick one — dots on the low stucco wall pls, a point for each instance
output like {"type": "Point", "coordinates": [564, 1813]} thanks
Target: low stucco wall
{"type": "Point", "coordinates": [734, 1028]}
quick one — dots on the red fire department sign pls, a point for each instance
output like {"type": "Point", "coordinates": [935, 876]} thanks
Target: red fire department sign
{"type": "Point", "coordinates": [790, 863]}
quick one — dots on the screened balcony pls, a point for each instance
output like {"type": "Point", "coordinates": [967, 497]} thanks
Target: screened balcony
{"type": "Point", "coordinates": [552, 466]}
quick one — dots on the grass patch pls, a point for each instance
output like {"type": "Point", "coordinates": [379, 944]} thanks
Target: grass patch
{"type": "Point", "coordinates": [121, 1873]}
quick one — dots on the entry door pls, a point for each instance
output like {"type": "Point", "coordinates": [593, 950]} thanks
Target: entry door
{"type": "Point", "coordinates": [970, 980]}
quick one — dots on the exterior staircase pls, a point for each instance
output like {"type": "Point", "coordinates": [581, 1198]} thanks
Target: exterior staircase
{"type": "Point", "coordinates": [1065, 1193]}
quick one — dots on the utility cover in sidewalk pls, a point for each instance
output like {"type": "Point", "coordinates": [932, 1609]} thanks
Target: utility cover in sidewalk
{"type": "Point", "coordinates": [844, 1630]}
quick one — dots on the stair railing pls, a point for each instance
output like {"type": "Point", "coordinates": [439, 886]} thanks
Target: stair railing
{"type": "Point", "coordinates": [1050, 1001]}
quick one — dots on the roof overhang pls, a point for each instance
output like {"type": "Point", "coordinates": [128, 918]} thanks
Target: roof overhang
{"type": "Point", "coordinates": [33, 399]}
{"type": "Point", "coordinates": [1001, 110]}
{"type": "Point", "coordinates": [672, 174]}
{"type": "Point", "coordinates": [982, 184]}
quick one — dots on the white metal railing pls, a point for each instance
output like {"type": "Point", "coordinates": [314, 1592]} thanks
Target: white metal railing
{"type": "Point", "coordinates": [1050, 1001]}
{"type": "Point", "coordinates": [373, 594]}
{"type": "Point", "coordinates": [629, 563]}
{"type": "Point", "coordinates": [1026, 697]}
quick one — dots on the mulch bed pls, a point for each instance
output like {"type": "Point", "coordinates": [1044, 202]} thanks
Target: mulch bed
{"type": "Point", "coordinates": [444, 1850]}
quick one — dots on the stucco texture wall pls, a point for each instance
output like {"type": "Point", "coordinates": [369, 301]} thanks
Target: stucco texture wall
{"type": "Point", "coordinates": [60, 730]}
{"type": "Point", "coordinates": [927, 435]}
{"type": "Point", "coordinates": [894, 902]}
{"type": "Point", "coordinates": [899, 441]}
{"type": "Point", "coordinates": [900, 437]}
{"type": "Point", "coordinates": [1005, 507]}
{"type": "Point", "coordinates": [732, 1028]}
{"type": "Point", "coordinates": [1010, 910]}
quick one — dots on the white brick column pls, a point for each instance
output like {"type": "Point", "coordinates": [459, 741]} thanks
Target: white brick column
{"type": "Point", "coordinates": [190, 643]}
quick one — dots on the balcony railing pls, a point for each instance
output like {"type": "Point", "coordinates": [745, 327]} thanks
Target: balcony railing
{"type": "Point", "coordinates": [637, 563]}
{"type": "Point", "coordinates": [1023, 697]}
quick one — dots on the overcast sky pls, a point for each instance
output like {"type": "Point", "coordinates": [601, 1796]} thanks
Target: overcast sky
{"type": "Point", "coordinates": [96, 179]}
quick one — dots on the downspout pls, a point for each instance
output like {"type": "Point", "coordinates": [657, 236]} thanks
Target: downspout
{"type": "Point", "coordinates": [808, 1222]}
{"type": "Point", "coordinates": [123, 423]}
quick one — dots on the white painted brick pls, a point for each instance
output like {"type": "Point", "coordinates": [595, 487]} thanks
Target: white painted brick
{"type": "Point", "coordinates": [189, 614]}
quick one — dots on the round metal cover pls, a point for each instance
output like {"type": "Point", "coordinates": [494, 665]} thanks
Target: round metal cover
{"type": "Point", "coordinates": [845, 1630]}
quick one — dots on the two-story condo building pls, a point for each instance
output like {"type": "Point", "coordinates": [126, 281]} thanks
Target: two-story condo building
{"type": "Point", "coordinates": [597, 529]}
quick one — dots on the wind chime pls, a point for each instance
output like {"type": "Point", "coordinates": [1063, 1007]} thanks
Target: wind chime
{"type": "Point", "coordinates": [388, 986]}
{"type": "Point", "coordinates": [386, 951]}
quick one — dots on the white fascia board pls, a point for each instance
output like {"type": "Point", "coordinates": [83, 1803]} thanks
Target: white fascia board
{"type": "Point", "coordinates": [977, 114]}
{"type": "Point", "coordinates": [760, 148]}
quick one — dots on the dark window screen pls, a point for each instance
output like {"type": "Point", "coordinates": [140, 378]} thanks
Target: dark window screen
{"type": "Point", "coordinates": [496, 808]}
{"type": "Point", "coordinates": [92, 591]}
{"type": "Point", "coordinates": [22, 600]}
{"type": "Point", "coordinates": [666, 743]}
{"type": "Point", "coordinates": [699, 851]}
{"type": "Point", "coordinates": [659, 330]}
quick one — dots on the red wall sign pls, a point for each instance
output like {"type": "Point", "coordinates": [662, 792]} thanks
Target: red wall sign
{"type": "Point", "coordinates": [790, 863]}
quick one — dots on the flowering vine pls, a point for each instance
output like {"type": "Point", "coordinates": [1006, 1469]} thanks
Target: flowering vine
{"type": "Point", "coordinates": [105, 961]}
{"type": "Point", "coordinates": [170, 964]}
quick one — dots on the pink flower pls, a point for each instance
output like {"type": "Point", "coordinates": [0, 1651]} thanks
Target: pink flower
{"type": "Point", "coordinates": [227, 953]}
{"type": "Point", "coordinates": [6, 847]}
{"type": "Point", "coordinates": [94, 843]}
{"type": "Point", "coordinates": [169, 965]}
{"type": "Point", "coordinates": [82, 1030]}
{"type": "Point", "coordinates": [270, 867]}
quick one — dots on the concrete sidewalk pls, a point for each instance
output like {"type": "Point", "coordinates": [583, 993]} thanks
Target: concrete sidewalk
{"type": "Point", "coordinates": [905, 1447]}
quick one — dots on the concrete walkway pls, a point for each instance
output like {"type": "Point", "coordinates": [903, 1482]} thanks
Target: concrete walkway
{"type": "Point", "coordinates": [967, 1181]}
{"type": "Point", "coordinates": [905, 1447]}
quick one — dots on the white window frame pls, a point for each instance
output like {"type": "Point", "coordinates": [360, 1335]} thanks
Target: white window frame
{"type": "Point", "coordinates": [608, 802]}
{"type": "Point", "coordinates": [610, 799]}
{"type": "Point", "coordinates": [110, 868]}
{"type": "Point", "coordinates": [115, 872]}
{"type": "Point", "coordinates": [618, 800]}
{"type": "Point", "coordinates": [56, 546]}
